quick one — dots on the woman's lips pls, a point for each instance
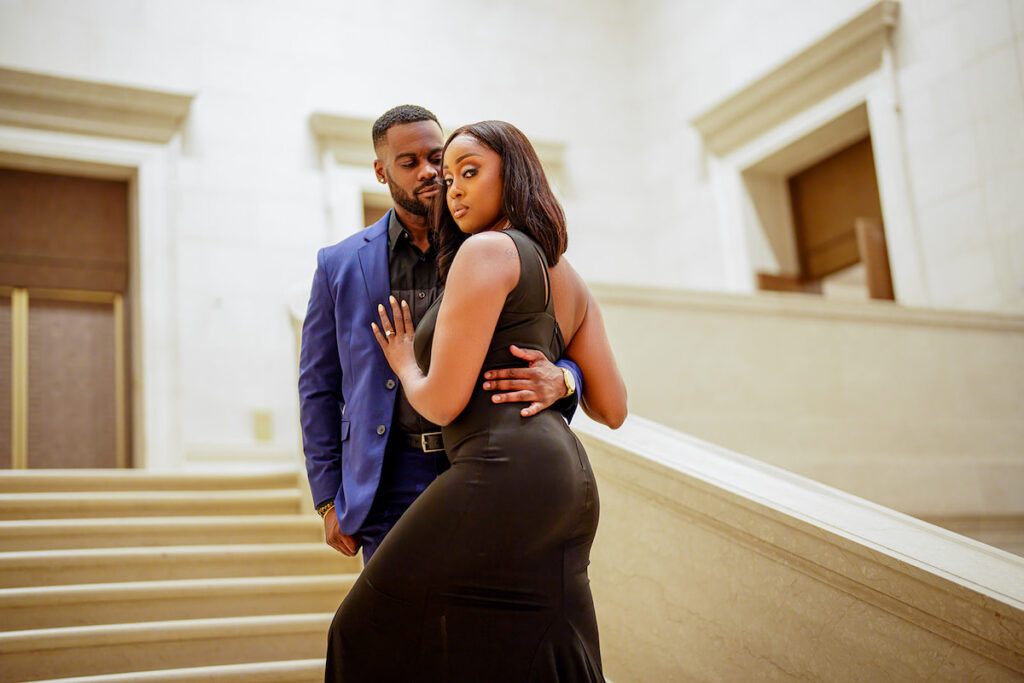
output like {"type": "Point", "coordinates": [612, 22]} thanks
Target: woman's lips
{"type": "Point", "coordinates": [459, 212]}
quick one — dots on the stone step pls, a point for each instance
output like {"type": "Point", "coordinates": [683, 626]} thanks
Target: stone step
{"type": "Point", "coordinates": [58, 534]}
{"type": "Point", "coordinates": [41, 481]}
{"type": "Point", "coordinates": [296, 671]}
{"type": "Point", "coordinates": [121, 648]}
{"type": "Point", "coordinates": [44, 607]}
{"type": "Point", "coordinates": [110, 565]}
{"type": "Point", "coordinates": [79, 504]}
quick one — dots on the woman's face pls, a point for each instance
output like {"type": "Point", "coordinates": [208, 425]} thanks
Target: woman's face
{"type": "Point", "coordinates": [472, 175]}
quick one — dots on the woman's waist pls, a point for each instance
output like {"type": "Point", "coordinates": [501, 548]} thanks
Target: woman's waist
{"type": "Point", "coordinates": [503, 422]}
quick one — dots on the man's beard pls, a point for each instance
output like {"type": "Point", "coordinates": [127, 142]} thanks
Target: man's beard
{"type": "Point", "coordinates": [410, 203]}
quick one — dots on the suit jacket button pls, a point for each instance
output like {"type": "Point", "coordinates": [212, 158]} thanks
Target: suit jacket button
{"type": "Point", "coordinates": [381, 429]}
{"type": "Point", "coordinates": [390, 384]}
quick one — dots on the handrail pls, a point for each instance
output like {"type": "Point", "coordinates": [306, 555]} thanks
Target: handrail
{"type": "Point", "coordinates": [931, 584]}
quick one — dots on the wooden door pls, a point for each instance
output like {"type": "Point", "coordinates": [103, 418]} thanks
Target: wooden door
{"type": "Point", "coordinates": [828, 200]}
{"type": "Point", "coordinates": [63, 289]}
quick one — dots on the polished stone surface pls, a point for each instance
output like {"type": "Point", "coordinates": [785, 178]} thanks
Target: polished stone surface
{"type": "Point", "coordinates": [711, 566]}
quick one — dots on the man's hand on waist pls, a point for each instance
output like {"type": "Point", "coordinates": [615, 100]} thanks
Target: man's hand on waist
{"type": "Point", "coordinates": [540, 384]}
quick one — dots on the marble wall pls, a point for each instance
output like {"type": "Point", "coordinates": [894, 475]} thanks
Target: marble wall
{"type": "Point", "coordinates": [616, 83]}
{"type": "Point", "coordinates": [915, 410]}
{"type": "Point", "coordinates": [711, 567]}
{"type": "Point", "coordinates": [246, 199]}
{"type": "Point", "coordinates": [959, 67]}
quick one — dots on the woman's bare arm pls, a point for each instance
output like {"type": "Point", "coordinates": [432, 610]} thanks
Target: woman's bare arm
{"type": "Point", "coordinates": [604, 393]}
{"type": "Point", "coordinates": [485, 270]}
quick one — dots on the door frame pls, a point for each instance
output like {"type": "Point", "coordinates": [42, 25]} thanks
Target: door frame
{"type": "Point", "coordinates": [148, 168]}
{"type": "Point", "coordinates": [838, 89]}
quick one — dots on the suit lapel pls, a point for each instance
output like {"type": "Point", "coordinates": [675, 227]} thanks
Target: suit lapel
{"type": "Point", "coordinates": [373, 259]}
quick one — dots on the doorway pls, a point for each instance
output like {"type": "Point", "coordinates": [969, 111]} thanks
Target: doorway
{"type": "Point", "coordinates": [837, 219]}
{"type": "Point", "coordinates": [64, 293]}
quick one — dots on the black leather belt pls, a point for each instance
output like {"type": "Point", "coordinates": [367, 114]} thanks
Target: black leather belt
{"type": "Point", "coordinates": [428, 442]}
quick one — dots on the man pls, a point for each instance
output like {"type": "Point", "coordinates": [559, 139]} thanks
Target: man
{"type": "Point", "coordinates": [368, 453]}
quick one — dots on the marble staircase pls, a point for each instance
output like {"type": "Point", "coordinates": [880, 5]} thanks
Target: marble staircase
{"type": "Point", "coordinates": [134, 576]}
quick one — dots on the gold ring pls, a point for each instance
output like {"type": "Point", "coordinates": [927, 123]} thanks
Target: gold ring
{"type": "Point", "coordinates": [388, 333]}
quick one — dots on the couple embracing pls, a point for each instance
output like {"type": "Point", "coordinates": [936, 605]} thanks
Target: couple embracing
{"type": "Point", "coordinates": [435, 422]}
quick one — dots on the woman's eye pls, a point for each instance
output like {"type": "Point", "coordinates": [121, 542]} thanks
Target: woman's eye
{"type": "Point", "coordinates": [469, 173]}
{"type": "Point", "coordinates": [448, 182]}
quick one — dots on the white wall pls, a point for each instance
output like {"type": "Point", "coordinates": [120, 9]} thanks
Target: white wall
{"type": "Point", "coordinates": [960, 74]}
{"type": "Point", "coordinates": [615, 81]}
{"type": "Point", "coordinates": [962, 88]}
{"type": "Point", "coordinates": [247, 204]}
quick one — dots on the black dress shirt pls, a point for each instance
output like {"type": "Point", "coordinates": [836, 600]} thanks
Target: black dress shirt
{"type": "Point", "coordinates": [413, 278]}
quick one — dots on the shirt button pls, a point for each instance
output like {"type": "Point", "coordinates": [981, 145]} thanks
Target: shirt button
{"type": "Point", "coordinates": [390, 384]}
{"type": "Point", "coordinates": [381, 429]}
{"type": "Point", "coordinates": [420, 294]}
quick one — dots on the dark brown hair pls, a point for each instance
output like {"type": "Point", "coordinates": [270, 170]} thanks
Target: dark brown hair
{"type": "Point", "coordinates": [527, 200]}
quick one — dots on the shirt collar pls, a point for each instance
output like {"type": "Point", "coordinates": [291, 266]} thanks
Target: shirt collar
{"type": "Point", "coordinates": [397, 234]}
{"type": "Point", "coordinates": [396, 231]}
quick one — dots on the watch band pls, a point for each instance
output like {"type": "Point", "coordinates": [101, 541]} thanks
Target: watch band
{"type": "Point", "coordinates": [325, 508]}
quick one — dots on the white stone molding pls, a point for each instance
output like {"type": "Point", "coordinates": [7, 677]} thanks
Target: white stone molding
{"type": "Point", "coordinates": [751, 570]}
{"type": "Point", "coordinates": [35, 100]}
{"type": "Point", "coordinates": [836, 91]}
{"type": "Point", "coordinates": [849, 53]}
{"type": "Point", "coordinates": [346, 137]}
{"type": "Point", "coordinates": [68, 125]}
{"type": "Point", "coordinates": [149, 168]}
{"type": "Point", "coordinates": [914, 408]}
{"type": "Point", "coordinates": [349, 140]}
{"type": "Point", "coordinates": [800, 306]}
{"type": "Point", "coordinates": [347, 156]}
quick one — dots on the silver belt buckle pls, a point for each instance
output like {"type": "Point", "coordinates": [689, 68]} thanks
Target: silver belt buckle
{"type": "Point", "coordinates": [423, 442]}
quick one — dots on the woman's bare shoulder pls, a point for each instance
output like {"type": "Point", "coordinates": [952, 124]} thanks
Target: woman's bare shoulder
{"type": "Point", "coordinates": [490, 256]}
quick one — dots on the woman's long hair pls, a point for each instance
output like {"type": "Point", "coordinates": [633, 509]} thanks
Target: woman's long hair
{"type": "Point", "coordinates": [527, 200]}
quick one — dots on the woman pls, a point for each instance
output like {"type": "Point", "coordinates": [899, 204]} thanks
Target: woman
{"type": "Point", "coordinates": [485, 577]}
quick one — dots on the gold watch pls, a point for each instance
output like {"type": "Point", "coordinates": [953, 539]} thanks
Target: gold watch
{"type": "Point", "coordinates": [570, 383]}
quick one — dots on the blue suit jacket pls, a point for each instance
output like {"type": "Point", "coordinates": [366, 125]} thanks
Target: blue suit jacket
{"type": "Point", "coordinates": [346, 388]}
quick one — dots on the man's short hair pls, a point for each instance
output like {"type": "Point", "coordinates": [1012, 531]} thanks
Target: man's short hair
{"type": "Point", "coordinates": [403, 113]}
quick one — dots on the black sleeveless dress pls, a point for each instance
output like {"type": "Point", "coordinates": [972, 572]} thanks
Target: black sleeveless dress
{"type": "Point", "coordinates": [485, 578]}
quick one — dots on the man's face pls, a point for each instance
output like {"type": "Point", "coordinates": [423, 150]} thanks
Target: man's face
{"type": "Point", "coordinates": [409, 159]}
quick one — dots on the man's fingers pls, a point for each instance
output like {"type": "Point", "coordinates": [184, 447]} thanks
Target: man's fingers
{"type": "Point", "coordinates": [514, 397]}
{"type": "Point", "coordinates": [345, 545]}
{"type": "Point", "coordinates": [532, 409]}
{"type": "Point", "coordinates": [511, 373]}
{"type": "Point", "coordinates": [507, 385]}
{"type": "Point", "coordinates": [350, 542]}
{"type": "Point", "coordinates": [526, 354]}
